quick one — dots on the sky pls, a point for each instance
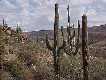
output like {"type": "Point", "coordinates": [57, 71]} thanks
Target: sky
{"type": "Point", "coordinates": [34, 15]}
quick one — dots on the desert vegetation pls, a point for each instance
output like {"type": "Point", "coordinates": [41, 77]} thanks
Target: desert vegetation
{"type": "Point", "coordinates": [70, 54]}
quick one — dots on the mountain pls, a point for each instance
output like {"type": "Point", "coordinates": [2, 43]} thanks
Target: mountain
{"type": "Point", "coordinates": [95, 34]}
{"type": "Point", "coordinates": [40, 34]}
{"type": "Point", "coordinates": [101, 28]}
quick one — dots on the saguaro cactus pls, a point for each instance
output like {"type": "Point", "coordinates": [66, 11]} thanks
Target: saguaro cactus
{"type": "Point", "coordinates": [3, 22]}
{"type": "Point", "coordinates": [18, 33]}
{"type": "Point", "coordinates": [84, 47]}
{"type": "Point", "coordinates": [72, 44]}
{"type": "Point", "coordinates": [55, 48]}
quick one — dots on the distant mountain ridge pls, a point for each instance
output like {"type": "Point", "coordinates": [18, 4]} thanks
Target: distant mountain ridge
{"type": "Point", "coordinates": [95, 33]}
{"type": "Point", "coordinates": [101, 28]}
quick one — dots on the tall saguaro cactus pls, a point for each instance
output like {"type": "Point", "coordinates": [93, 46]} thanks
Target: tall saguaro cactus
{"type": "Point", "coordinates": [55, 48]}
{"type": "Point", "coordinates": [72, 43]}
{"type": "Point", "coordinates": [84, 47]}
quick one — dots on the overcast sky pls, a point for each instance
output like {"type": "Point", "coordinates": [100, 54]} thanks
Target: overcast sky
{"type": "Point", "coordinates": [39, 14]}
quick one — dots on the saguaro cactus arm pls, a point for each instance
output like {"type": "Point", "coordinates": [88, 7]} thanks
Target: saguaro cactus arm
{"type": "Point", "coordinates": [73, 35]}
{"type": "Point", "coordinates": [62, 46]}
{"type": "Point", "coordinates": [48, 43]}
{"type": "Point", "coordinates": [62, 31]}
{"type": "Point", "coordinates": [77, 44]}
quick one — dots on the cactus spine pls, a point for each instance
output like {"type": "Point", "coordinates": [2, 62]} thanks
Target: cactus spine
{"type": "Point", "coordinates": [84, 47]}
{"type": "Point", "coordinates": [56, 48]}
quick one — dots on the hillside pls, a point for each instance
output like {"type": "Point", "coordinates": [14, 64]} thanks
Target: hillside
{"type": "Point", "coordinates": [97, 33]}
{"type": "Point", "coordinates": [30, 61]}
{"type": "Point", "coordinates": [98, 49]}
{"type": "Point", "coordinates": [96, 39]}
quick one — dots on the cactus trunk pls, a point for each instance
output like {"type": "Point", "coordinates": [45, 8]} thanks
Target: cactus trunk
{"type": "Point", "coordinates": [84, 47]}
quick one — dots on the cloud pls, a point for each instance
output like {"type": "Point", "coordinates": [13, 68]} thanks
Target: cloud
{"type": "Point", "coordinates": [39, 14]}
{"type": "Point", "coordinates": [104, 0]}
{"type": "Point", "coordinates": [81, 2]}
